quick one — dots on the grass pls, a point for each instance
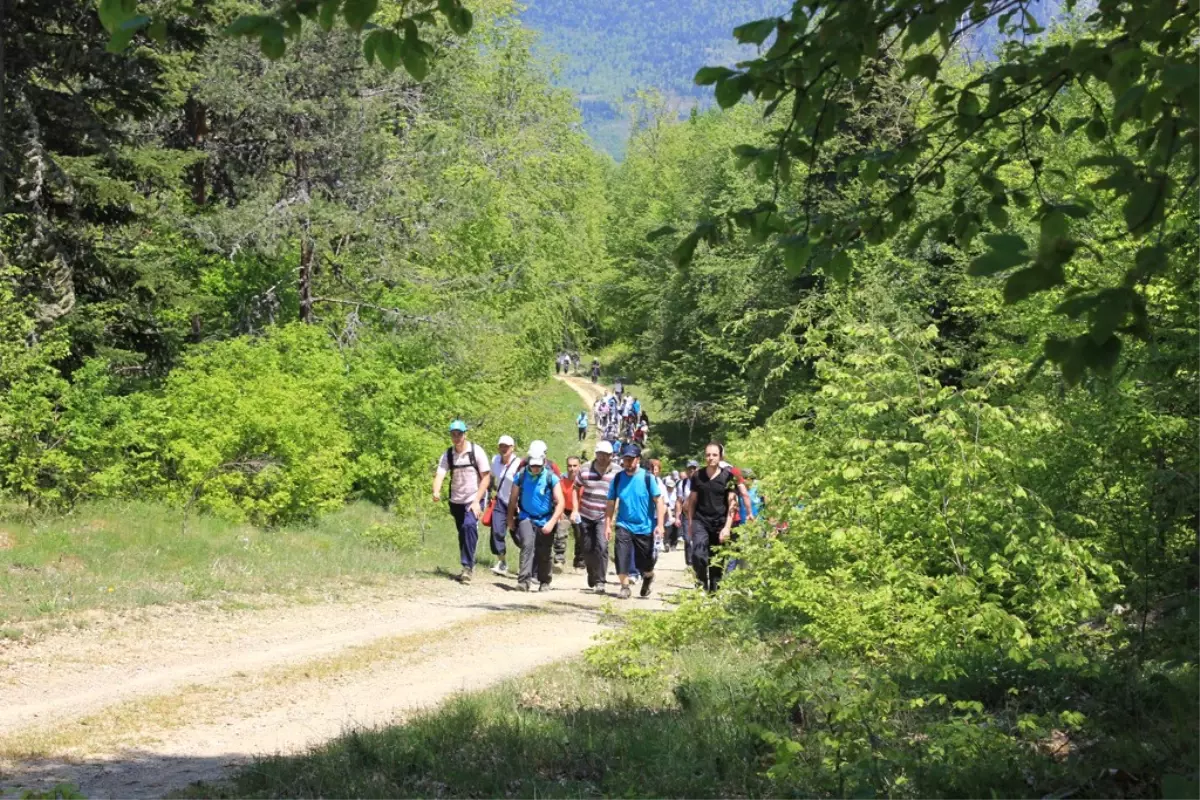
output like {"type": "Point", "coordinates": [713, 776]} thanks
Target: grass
{"type": "Point", "coordinates": [561, 731]}
{"type": "Point", "coordinates": [117, 555]}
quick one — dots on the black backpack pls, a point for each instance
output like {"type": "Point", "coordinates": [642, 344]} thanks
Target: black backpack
{"type": "Point", "coordinates": [470, 456]}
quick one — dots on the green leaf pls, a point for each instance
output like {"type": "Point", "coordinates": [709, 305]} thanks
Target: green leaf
{"type": "Point", "coordinates": [1032, 279]}
{"type": "Point", "coordinates": [119, 40]}
{"type": "Point", "coordinates": [755, 32]}
{"type": "Point", "coordinates": [358, 12]}
{"type": "Point", "coordinates": [247, 25]}
{"type": "Point", "coordinates": [388, 48]}
{"type": "Point", "coordinates": [416, 63]}
{"type": "Point", "coordinates": [327, 14]}
{"type": "Point", "coordinates": [869, 173]}
{"type": "Point", "coordinates": [730, 90]}
{"type": "Point", "coordinates": [707, 76]}
{"type": "Point", "coordinates": [1006, 250]}
{"type": "Point", "coordinates": [371, 45]}
{"type": "Point", "coordinates": [796, 251]}
{"type": "Point", "coordinates": [1096, 130]}
{"type": "Point", "coordinates": [658, 233]}
{"type": "Point", "coordinates": [113, 12]}
{"type": "Point", "coordinates": [1054, 226]}
{"type": "Point", "coordinates": [923, 66]}
{"type": "Point", "coordinates": [920, 29]}
{"type": "Point", "coordinates": [1144, 208]}
{"type": "Point", "coordinates": [461, 21]}
{"type": "Point", "coordinates": [968, 104]}
{"type": "Point", "coordinates": [998, 215]}
{"type": "Point", "coordinates": [1150, 261]}
{"type": "Point", "coordinates": [271, 41]}
{"type": "Point", "coordinates": [839, 266]}
{"type": "Point", "coordinates": [158, 30]}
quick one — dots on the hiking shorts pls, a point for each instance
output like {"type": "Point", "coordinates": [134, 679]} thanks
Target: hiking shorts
{"type": "Point", "coordinates": [635, 552]}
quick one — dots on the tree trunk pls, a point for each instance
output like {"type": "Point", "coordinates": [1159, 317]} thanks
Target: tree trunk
{"type": "Point", "coordinates": [307, 248]}
{"type": "Point", "coordinates": [196, 115]}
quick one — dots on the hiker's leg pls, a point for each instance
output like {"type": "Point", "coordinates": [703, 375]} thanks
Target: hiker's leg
{"type": "Point", "coordinates": [498, 542]}
{"type": "Point", "coordinates": [469, 539]}
{"type": "Point", "coordinates": [624, 548]}
{"type": "Point", "coordinates": [591, 533]}
{"type": "Point", "coordinates": [459, 512]}
{"type": "Point", "coordinates": [700, 552]}
{"type": "Point", "coordinates": [577, 548]}
{"type": "Point", "coordinates": [643, 555]}
{"type": "Point", "coordinates": [561, 533]}
{"type": "Point", "coordinates": [526, 538]}
{"type": "Point", "coordinates": [545, 544]}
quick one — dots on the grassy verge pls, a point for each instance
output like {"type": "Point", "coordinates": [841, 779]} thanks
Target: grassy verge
{"type": "Point", "coordinates": [561, 731]}
{"type": "Point", "coordinates": [115, 555]}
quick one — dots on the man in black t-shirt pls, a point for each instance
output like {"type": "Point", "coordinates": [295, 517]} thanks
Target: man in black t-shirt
{"type": "Point", "coordinates": [711, 508]}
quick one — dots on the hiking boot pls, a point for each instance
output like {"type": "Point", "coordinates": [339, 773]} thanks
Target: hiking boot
{"type": "Point", "coordinates": [558, 567]}
{"type": "Point", "coordinates": [465, 576]}
{"type": "Point", "coordinates": [501, 569]}
{"type": "Point", "coordinates": [599, 588]}
{"type": "Point", "coordinates": [625, 593]}
{"type": "Point", "coordinates": [646, 581]}
{"type": "Point", "coordinates": [543, 587]}
{"type": "Point", "coordinates": [523, 586]}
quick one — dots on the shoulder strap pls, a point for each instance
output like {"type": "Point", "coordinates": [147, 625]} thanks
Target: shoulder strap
{"type": "Point", "coordinates": [650, 498]}
{"type": "Point", "coordinates": [471, 458]}
{"type": "Point", "coordinates": [450, 458]}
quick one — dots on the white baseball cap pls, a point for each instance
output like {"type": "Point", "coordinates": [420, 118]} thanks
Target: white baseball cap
{"type": "Point", "coordinates": [537, 448]}
{"type": "Point", "coordinates": [506, 439]}
{"type": "Point", "coordinates": [537, 461]}
{"type": "Point", "coordinates": [604, 446]}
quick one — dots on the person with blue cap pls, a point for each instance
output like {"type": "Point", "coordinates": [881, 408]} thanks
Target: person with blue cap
{"type": "Point", "coordinates": [469, 478]}
{"type": "Point", "coordinates": [635, 511]}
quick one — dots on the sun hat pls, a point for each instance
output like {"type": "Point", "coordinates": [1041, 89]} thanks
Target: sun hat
{"type": "Point", "coordinates": [458, 425]}
{"type": "Point", "coordinates": [506, 439]}
{"type": "Point", "coordinates": [604, 446]}
{"type": "Point", "coordinates": [669, 482]}
{"type": "Point", "coordinates": [536, 461]}
{"type": "Point", "coordinates": [537, 448]}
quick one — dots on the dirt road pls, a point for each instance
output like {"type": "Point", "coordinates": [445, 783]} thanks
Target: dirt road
{"type": "Point", "coordinates": [141, 703]}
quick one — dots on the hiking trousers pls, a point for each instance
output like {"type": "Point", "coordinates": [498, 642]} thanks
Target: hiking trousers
{"type": "Point", "coordinates": [468, 533]}
{"type": "Point", "coordinates": [685, 531]}
{"type": "Point", "coordinates": [706, 552]}
{"type": "Point", "coordinates": [594, 544]}
{"type": "Point", "coordinates": [561, 534]}
{"type": "Point", "coordinates": [499, 544]}
{"type": "Point", "coordinates": [536, 549]}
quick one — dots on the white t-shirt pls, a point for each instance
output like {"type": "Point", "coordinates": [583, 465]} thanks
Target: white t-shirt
{"type": "Point", "coordinates": [669, 498]}
{"type": "Point", "coordinates": [503, 476]}
{"type": "Point", "coordinates": [464, 482]}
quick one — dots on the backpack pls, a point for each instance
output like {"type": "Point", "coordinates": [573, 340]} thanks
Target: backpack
{"type": "Point", "coordinates": [519, 482]}
{"type": "Point", "coordinates": [649, 494]}
{"type": "Point", "coordinates": [470, 456]}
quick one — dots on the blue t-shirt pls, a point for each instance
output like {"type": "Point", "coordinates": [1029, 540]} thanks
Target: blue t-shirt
{"type": "Point", "coordinates": [537, 495]}
{"type": "Point", "coordinates": [635, 511]}
{"type": "Point", "coordinates": [582, 419]}
{"type": "Point", "coordinates": [755, 504]}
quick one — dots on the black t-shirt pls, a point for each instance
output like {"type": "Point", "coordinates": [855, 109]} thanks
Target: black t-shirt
{"type": "Point", "coordinates": [713, 496]}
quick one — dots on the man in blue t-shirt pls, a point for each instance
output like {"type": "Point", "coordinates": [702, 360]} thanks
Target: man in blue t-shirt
{"type": "Point", "coordinates": [635, 505]}
{"type": "Point", "coordinates": [536, 504]}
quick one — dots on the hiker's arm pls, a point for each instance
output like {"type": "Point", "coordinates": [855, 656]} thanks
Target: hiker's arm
{"type": "Point", "coordinates": [559, 505]}
{"type": "Point", "coordinates": [577, 490]}
{"type": "Point", "coordinates": [731, 501]}
{"type": "Point", "coordinates": [744, 493]}
{"type": "Point", "coordinates": [512, 506]}
{"type": "Point", "coordinates": [485, 478]}
{"type": "Point", "coordinates": [689, 506]}
{"type": "Point", "coordinates": [660, 508]}
{"type": "Point", "coordinates": [610, 512]}
{"type": "Point", "coordinates": [437, 483]}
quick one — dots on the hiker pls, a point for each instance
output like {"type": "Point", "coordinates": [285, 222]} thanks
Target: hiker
{"type": "Point", "coordinates": [619, 388]}
{"type": "Point", "coordinates": [534, 508]}
{"type": "Point", "coordinates": [671, 518]}
{"type": "Point", "coordinates": [467, 464]}
{"type": "Point", "coordinates": [574, 362]}
{"type": "Point", "coordinates": [595, 370]}
{"type": "Point", "coordinates": [505, 466]}
{"type": "Point", "coordinates": [640, 433]}
{"type": "Point", "coordinates": [750, 505]}
{"type": "Point", "coordinates": [568, 526]}
{"type": "Point", "coordinates": [591, 489]}
{"type": "Point", "coordinates": [581, 422]}
{"type": "Point", "coordinates": [711, 508]}
{"type": "Point", "coordinates": [635, 408]}
{"type": "Point", "coordinates": [684, 489]}
{"type": "Point", "coordinates": [634, 519]}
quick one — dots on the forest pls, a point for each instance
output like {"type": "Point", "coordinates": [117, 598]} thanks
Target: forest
{"type": "Point", "coordinates": [947, 308]}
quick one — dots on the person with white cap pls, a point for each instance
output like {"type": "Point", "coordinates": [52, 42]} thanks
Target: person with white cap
{"type": "Point", "coordinates": [534, 508]}
{"type": "Point", "coordinates": [591, 501]}
{"type": "Point", "coordinates": [505, 466]}
{"type": "Point", "coordinates": [467, 464]}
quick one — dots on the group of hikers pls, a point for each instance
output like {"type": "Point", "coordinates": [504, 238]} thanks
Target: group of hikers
{"type": "Point", "coordinates": [619, 418]}
{"type": "Point", "coordinates": [567, 363]}
{"type": "Point", "coordinates": [611, 499]}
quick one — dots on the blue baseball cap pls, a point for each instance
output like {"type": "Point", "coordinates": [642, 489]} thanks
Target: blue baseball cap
{"type": "Point", "coordinates": [631, 451]}
{"type": "Point", "coordinates": [458, 425]}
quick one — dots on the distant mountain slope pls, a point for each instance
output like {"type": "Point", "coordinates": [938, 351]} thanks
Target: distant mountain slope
{"type": "Point", "coordinates": [611, 49]}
